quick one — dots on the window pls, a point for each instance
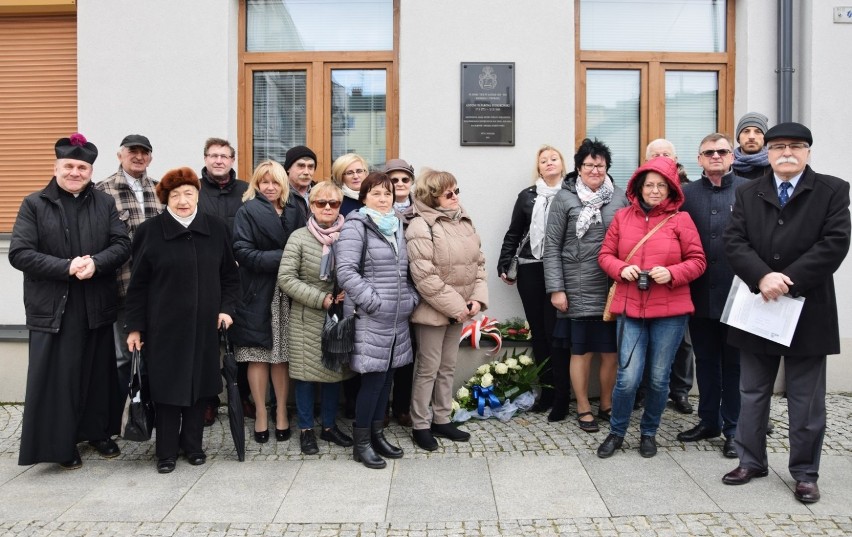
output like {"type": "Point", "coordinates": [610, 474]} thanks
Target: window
{"type": "Point", "coordinates": [647, 70]}
{"type": "Point", "coordinates": [312, 74]}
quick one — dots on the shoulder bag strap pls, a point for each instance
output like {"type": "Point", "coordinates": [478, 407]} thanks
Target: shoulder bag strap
{"type": "Point", "coordinates": [648, 236]}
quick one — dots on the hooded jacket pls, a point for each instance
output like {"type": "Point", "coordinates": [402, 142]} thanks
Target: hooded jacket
{"type": "Point", "coordinates": [447, 265]}
{"type": "Point", "coordinates": [675, 246]}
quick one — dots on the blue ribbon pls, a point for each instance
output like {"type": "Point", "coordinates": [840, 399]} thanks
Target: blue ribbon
{"type": "Point", "coordinates": [485, 396]}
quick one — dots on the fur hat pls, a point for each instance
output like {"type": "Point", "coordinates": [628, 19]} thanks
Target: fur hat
{"type": "Point", "coordinates": [76, 147]}
{"type": "Point", "coordinates": [753, 119]}
{"type": "Point", "coordinates": [173, 179]}
{"type": "Point", "coordinates": [297, 152]}
{"type": "Point", "coordinates": [792, 131]}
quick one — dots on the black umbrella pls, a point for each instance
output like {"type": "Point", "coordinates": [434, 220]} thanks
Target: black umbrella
{"type": "Point", "coordinates": [235, 405]}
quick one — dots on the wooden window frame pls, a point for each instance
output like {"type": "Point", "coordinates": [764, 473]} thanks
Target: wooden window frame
{"type": "Point", "coordinates": [653, 96]}
{"type": "Point", "coordinates": [318, 113]}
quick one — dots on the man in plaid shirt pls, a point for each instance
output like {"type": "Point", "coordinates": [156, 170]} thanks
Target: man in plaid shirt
{"type": "Point", "coordinates": [136, 201]}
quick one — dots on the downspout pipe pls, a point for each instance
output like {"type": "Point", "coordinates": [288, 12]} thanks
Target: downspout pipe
{"type": "Point", "coordinates": [785, 61]}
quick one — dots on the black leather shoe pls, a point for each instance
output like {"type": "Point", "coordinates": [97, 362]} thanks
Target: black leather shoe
{"type": "Point", "coordinates": [806, 492]}
{"type": "Point", "coordinates": [282, 435]}
{"type": "Point", "coordinates": [261, 437]}
{"type": "Point", "coordinates": [647, 446]}
{"type": "Point", "coordinates": [450, 432]}
{"type": "Point", "coordinates": [107, 448]}
{"type": "Point", "coordinates": [609, 446]}
{"type": "Point", "coordinates": [741, 476]}
{"type": "Point", "coordinates": [197, 459]}
{"type": "Point", "coordinates": [336, 436]}
{"type": "Point", "coordinates": [699, 432]}
{"type": "Point", "coordinates": [308, 442]}
{"type": "Point", "coordinates": [166, 466]}
{"type": "Point", "coordinates": [74, 463]}
{"type": "Point", "coordinates": [681, 404]}
{"type": "Point", "coordinates": [729, 450]}
{"type": "Point", "coordinates": [424, 439]}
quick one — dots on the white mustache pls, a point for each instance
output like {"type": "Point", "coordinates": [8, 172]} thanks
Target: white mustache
{"type": "Point", "coordinates": [784, 160]}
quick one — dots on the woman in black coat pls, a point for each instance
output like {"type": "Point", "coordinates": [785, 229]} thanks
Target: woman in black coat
{"type": "Point", "coordinates": [526, 229]}
{"type": "Point", "coordinates": [184, 285]}
{"type": "Point", "coordinates": [260, 333]}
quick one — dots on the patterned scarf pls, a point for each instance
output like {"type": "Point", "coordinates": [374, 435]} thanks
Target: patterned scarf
{"type": "Point", "coordinates": [541, 209]}
{"type": "Point", "coordinates": [744, 163]}
{"type": "Point", "coordinates": [326, 236]}
{"type": "Point", "coordinates": [592, 203]}
{"type": "Point", "coordinates": [387, 223]}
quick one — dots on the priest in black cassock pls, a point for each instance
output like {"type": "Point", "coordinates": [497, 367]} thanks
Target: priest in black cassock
{"type": "Point", "coordinates": [69, 242]}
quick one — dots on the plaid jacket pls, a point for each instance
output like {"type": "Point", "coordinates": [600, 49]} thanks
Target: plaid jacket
{"type": "Point", "coordinates": [129, 212]}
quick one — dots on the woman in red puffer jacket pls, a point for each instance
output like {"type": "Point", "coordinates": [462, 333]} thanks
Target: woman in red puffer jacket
{"type": "Point", "coordinates": [652, 299]}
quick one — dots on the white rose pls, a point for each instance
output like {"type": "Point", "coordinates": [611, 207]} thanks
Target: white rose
{"type": "Point", "coordinates": [462, 393]}
{"type": "Point", "coordinates": [487, 380]}
{"type": "Point", "coordinates": [511, 362]}
{"type": "Point", "coordinates": [456, 406]}
{"type": "Point", "coordinates": [525, 360]}
{"type": "Point", "coordinates": [516, 367]}
{"type": "Point", "coordinates": [483, 369]}
{"type": "Point", "coordinates": [501, 369]}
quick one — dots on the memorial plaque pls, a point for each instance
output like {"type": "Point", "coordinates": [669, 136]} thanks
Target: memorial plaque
{"type": "Point", "coordinates": [487, 104]}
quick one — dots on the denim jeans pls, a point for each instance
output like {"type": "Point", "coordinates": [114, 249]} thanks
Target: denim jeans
{"type": "Point", "coordinates": [654, 341]}
{"type": "Point", "coordinates": [717, 366]}
{"type": "Point", "coordinates": [330, 393]}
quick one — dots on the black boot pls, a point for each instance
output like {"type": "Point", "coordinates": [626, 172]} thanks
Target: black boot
{"type": "Point", "coordinates": [381, 444]}
{"type": "Point", "coordinates": [363, 449]}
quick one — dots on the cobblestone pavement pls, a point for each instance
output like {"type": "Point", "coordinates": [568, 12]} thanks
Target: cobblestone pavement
{"type": "Point", "coordinates": [527, 435]}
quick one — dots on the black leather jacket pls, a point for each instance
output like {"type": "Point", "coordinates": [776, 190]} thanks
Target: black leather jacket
{"type": "Point", "coordinates": [518, 227]}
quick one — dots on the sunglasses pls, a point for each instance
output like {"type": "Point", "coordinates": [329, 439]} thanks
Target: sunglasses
{"type": "Point", "coordinates": [320, 204]}
{"type": "Point", "coordinates": [450, 194]}
{"type": "Point", "coordinates": [722, 152]}
{"type": "Point", "coordinates": [404, 180]}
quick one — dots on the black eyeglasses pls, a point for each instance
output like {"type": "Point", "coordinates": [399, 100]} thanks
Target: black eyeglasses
{"type": "Point", "coordinates": [722, 152]}
{"type": "Point", "coordinates": [450, 194]}
{"type": "Point", "coordinates": [320, 204]}
{"type": "Point", "coordinates": [405, 180]}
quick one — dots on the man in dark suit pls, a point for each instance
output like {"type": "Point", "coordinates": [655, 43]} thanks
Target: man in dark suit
{"type": "Point", "coordinates": [788, 233]}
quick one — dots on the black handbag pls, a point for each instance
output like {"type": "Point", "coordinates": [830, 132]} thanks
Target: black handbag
{"type": "Point", "coordinates": [338, 332]}
{"type": "Point", "coordinates": [137, 420]}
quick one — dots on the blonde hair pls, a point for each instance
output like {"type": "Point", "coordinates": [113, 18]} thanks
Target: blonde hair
{"type": "Point", "coordinates": [541, 150]}
{"type": "Point", "coordinates": [341, 163]}
{"type": "Point", "coordinates": [323, 187]}
{"type": "Point", "coordinates": [431, 184]}
{"type": "Point", "coordinates": [276, 172]}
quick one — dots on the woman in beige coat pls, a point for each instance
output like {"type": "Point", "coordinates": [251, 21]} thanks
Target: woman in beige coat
{"type": "Point", "coordinates": [448, 268]}
{"type": "Point", "coordinates": [306, 274]}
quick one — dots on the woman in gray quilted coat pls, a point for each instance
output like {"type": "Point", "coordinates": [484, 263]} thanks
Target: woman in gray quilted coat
{"type": "Point", "coordinates": [379, 289]}
{"type": "Point", "coordinates": [306, 275]}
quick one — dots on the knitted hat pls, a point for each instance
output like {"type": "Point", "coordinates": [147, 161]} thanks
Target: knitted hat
{"type": "Point", "coordinates": [173, 179]}
{"type": "Point", "coordinates": [753, 119]}
{"type": "Point", "coordinates": [76, 147]}
{"type": "Point", "coordinates": [792, 131]}
{"type": "Point", "coordinates": [295, 153]}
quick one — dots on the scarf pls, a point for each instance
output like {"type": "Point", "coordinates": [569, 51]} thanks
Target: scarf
{"type": "Point", "coordinates": [388, 223]}
{"type": "Point", "coordinates": [349, 193]}
{"type": "Point", "coordinates": [326, 236]}
{"type": "Point", "coordinates": [744, 163]}
{"type": "Point", "coordinates": [592, 203]}
{"type": "Point", "coordinates": [541, 209]}
{"type": "Point", "coordinates": [401, 206]}
{"type": "Point", "coordinates": [184, 221]}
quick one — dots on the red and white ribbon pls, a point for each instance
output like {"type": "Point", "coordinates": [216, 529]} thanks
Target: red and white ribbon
{"type": "Point", "coordinates": [476, 328]}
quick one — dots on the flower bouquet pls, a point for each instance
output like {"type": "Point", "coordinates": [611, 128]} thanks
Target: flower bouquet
{"type": "Point", "coordinates": [515, 329]}
{"type": "Point", "coordinates": [498, 389]}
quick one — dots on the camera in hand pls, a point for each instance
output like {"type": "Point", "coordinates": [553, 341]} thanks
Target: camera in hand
{"type": "Point", "coordinates": [644, 280]}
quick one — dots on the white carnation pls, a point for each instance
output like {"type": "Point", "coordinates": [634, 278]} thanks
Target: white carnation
{"type": "Point", "coordinates": [501, 369]}
{"type": "Point", "coordinates": [487, 380]}
{"type": "Point", "coordinates": [511, 362]}
{"type": "Point", "coordinates": [462, 393]}
{"type": "Point", "coordinates": [525, 360]}
{"type": "Point", "coordinates": [483, 369]}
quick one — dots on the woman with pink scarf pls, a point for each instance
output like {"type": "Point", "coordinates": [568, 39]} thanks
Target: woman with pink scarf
{"type": "Point", "coordinates": [306, 275]}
